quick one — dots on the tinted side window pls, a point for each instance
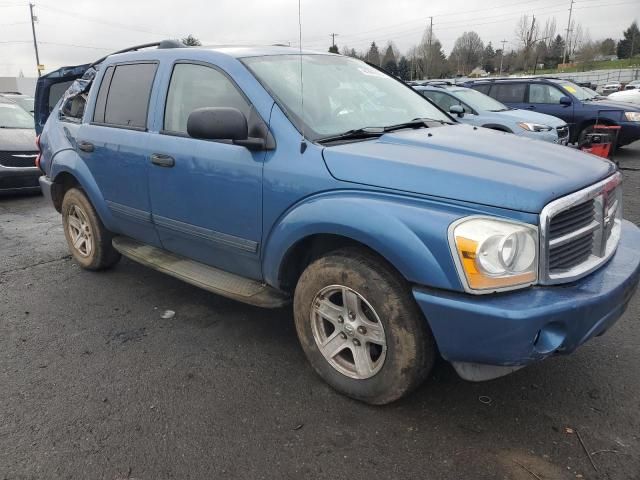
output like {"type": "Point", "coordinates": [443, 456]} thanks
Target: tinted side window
{"type": "Point", "coordinates": [197, 86]}
{"type": "Point", "coordinates": [443, 100]}
{"type": "Point", "coordinates": [101, 101]}
{"type": "Point", "coordinates": [509, 92]}
{"type": "Point", "coordinates": [483, 88]}
{"type": "Point", "coordinates": [540, 93]}
{"type": "Point", "coordinates": [128, 95]}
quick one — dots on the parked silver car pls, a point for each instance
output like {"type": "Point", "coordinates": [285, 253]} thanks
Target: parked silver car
{"type": "Point", "coordinates": [476, 108]}
{"type": "Point", "coordinates": [18, 172]}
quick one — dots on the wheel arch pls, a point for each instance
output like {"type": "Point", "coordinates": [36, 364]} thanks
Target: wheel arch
{"type": "Point", "coordinates": [67, 172]}
{"type": "Point", "coordinates": [392, 230]}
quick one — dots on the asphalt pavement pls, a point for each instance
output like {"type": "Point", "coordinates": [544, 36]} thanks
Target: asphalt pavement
{"type": "Point", "coordinates": [95, 384]}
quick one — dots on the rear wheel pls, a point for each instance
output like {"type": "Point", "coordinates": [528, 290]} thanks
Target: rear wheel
{"type": "Point", "coordinates": [88, 239]}
{"type": "Point", "coordinates": [360, 327]}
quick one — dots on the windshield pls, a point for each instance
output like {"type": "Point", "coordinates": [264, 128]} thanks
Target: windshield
{"type": "Point", "coordinates": [576, 90]}
{"type": "Point", "coordinates": [12, 116]}
{"type": "Point", "coordinates": [25, 102]}
{"type": "Point", "coordinates": [340, 94]}
{"type": "Point", "coordinates": [479, 101]}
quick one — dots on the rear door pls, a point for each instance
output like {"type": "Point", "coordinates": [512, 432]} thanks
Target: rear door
{"type": "Point", "coordinates": [114, 144]}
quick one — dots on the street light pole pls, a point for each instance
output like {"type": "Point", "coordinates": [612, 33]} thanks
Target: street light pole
{"type": "Point", "coordinates": [501, 56]}
{"type": "Point", "coordinates": [35, 41]}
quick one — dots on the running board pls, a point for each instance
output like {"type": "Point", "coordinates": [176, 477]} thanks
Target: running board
{"type": "Point", "coordinates": [201, 275]}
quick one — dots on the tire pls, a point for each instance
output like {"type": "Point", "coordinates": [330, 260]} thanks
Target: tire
{"type": "Point", "coordinates": [88, 239]}
{"type": "Point", "coordinates": [388, 334]}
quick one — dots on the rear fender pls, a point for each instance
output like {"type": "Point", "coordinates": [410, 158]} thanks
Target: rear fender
{"type": "Point", "coordinates": [67, 161]}
{"type": "Point", "coordinates": [410, 233]}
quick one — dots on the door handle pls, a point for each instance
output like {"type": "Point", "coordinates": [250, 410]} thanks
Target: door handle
{"type": "Point", "coordinates": [162, 160]}
{"type": "Point", "coordinates": [85, 146]}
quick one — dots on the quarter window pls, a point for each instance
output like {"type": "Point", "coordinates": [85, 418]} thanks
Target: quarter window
{"type": "Point", "coordinates": [509, 92]}
{"type": "Point", "coordinates": [540, 93]}
{"type": "Point", "coordinates": [197, 86]}
{"type": "Point", "coordinates": [127, 96]}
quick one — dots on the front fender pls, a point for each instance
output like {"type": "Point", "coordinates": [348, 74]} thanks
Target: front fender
{"type": "Point", "coordinates": [67, 161]}
{"type": "Point", "coordinates": [410, 233]}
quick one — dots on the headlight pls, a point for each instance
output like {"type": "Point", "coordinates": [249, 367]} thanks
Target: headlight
{"type": "Point", "coordinates": [494, 254]}
{"type": "Point", "coordinates": [632, 116]}
{"type": "Point", "coordinates": [534, 127]}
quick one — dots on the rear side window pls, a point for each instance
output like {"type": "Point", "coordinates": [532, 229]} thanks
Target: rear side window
{"type": "Point", "coordinates": [125, 102]}
{"type": "Point", "coordinates": [509, 92]}
{"type": "Point", "coordinates": [482, 88]}
{"type": "Point", "coordinates": [196, 86]}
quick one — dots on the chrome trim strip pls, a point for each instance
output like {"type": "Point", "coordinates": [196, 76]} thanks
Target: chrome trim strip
{"type": "Point", "coordinates": [557, 206]}
{"type": "Point", "coordinates": [556, 242]}
{"type": "Point", "coordinates": [202, 233]}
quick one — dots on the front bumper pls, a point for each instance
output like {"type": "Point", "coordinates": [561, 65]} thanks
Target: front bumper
{"type": "Point", "coordinates": [517, 328]}
{"type": "Point", "coordinates": [19, 179]}
{"type": "Point", "coordinates": [629, 133]}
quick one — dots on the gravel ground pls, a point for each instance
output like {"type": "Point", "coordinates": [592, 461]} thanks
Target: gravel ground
{"type": "Point", "coordinates": [94, 384]}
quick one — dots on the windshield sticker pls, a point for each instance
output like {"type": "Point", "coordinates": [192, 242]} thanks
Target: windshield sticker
{"type": "Point", "coordinates": [569, 89]}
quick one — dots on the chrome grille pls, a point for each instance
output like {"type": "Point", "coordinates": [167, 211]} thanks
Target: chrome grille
{"type": "Point", "coordinates": [579, 232]}
{"type": "Point", "coordinates": [18, 159]}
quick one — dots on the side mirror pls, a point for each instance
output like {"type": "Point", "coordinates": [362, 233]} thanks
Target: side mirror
{"type": "Point", "coordinates": [457, 110]}
{"type": "Point", "coordinates": [222, 123]}
{"type": "Point", "coordinates": [566, 101]}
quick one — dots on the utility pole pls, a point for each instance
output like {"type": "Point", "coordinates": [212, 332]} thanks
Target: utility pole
{"type": "Point", "coordinates": [566, 38]}
{"type": "Point", "coordinates": [502, 56]}
{"type": "Point", "coordinates": [333, 39]}
{"type": "Point", "coordinates": [35, 42]}
{"type": "Point", "coordinates": [429, 50]}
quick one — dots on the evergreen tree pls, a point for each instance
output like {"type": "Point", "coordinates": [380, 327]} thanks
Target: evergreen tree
{"type": "Point", "coordinates": [333, 49]}
{"type": "Point", "coordinates": [404, 70]}
{"type": "Point", "coordinates": [191, 41]}
{"type": "Point", "coordinates": [630, 44]}
{"type": "Point", "coordinates": [488, 58]}
{"type": "Point", "coordinates": [389, 61]}
{"type": "Point", "coordinates": [373, 55]}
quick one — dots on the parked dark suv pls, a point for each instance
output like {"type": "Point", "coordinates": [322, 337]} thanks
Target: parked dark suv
{"type": "Point", "coordinates": [580, 108]}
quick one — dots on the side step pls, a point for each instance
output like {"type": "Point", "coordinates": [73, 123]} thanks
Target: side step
{"type": "Point", "coordinates": [201, 275]}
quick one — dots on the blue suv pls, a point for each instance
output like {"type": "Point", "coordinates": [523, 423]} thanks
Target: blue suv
{"type": "Point", "coordinates": [579, 107]}
{"type": "Point", "coordinates": [397, 233]}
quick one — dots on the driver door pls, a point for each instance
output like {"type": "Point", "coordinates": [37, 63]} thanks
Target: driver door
{"type": "Point", "coordinates": [206, 196]}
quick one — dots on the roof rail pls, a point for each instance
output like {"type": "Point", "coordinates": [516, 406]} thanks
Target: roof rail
{"type": "Point", "coordinates": [11, 93]}
{"type": "Point", "coordinates": [161, 44]}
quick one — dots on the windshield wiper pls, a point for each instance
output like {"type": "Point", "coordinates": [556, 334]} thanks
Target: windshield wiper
{"type": "Point", "coordinates": [356, 133]}
{"type": "Point", "coordinates": [415, 123]}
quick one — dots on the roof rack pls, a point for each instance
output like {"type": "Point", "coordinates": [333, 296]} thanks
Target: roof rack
{"type": "Point", "coordinates": [162, 44]}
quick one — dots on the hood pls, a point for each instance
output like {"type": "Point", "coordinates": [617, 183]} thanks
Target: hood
{"type": "Point", "coordinates": [18, 140]}
{"type": "Point", "coordinates": [613, 104]}
{"type": "Point", "coordinates": [518, 115]}
{"type": "Point", "coordinates": [469, 164]}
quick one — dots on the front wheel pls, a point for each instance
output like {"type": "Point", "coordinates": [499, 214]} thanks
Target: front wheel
{"type": "Point", "coordinates": [360, 328]}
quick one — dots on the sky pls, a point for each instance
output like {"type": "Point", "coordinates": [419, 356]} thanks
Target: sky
{"type": "Point", "coordinates": [71, 32]}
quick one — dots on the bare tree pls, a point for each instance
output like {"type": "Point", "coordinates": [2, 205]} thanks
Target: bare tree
{"type": "Point", "coordinates": [527, 33]}
{"type": "Point", "coordinates": [467, 52]}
